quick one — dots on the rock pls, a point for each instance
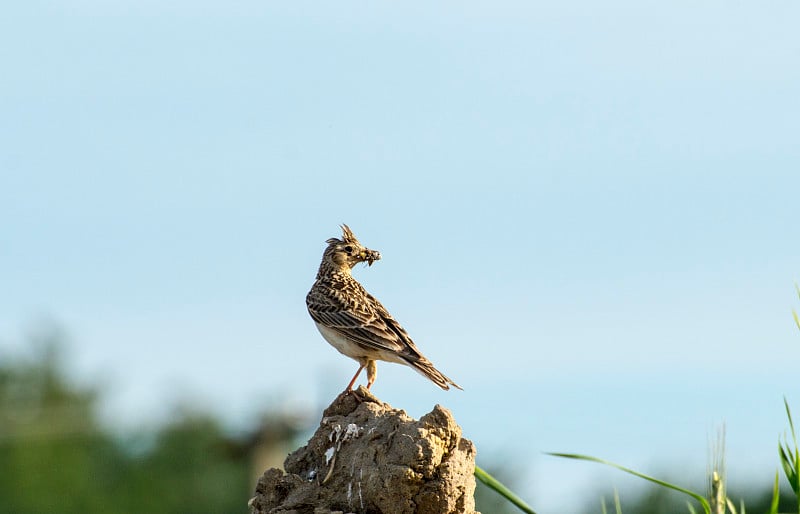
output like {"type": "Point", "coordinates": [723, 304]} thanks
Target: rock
{"type": "Point", "coordinates": [367, 457]}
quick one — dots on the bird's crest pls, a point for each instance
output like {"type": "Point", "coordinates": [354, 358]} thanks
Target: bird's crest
{"type": "Point", "coordinates": [347, 237]}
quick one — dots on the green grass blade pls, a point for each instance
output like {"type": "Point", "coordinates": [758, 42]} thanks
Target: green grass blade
{"type": "Point", "coordinates": [788, 468]}
{"type": "Point", "coordinates": [791, 423]}
{"type": "Point", "coordinates": [776, 495]}
{"type": "Point", "coordinates": [699, 498]}
{"type": "Point", "coordinates": [502, 490]}
{"type": "Point", "coordinates": [790, 457]}
{"type": "Point", "coordinates": [794, 313]}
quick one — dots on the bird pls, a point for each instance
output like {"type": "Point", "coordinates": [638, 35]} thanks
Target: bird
{"type": "Point", "coordinates": [354, 322]}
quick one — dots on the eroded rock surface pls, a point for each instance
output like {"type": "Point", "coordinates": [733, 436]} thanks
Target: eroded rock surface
{"type": "Point", "coordinates": [367, 457]}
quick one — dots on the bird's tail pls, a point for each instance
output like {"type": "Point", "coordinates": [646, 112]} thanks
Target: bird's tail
{"type": "Point", "coordinates": [425, 368]}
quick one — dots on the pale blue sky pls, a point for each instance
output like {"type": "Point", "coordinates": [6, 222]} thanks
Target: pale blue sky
{"type": "Point", "coordinates": [588, 212]}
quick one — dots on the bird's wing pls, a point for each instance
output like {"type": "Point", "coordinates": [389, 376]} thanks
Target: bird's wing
{"type": "Point", "coordinates": [362, 322]}
{"type": "Point", "coordinates": [409, 350]}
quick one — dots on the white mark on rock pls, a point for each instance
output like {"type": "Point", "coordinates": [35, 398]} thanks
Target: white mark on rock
{"type": "Point", "coordinates": [337, 437]}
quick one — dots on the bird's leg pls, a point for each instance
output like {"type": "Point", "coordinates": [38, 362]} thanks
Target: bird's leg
{"type": "Point", "coordinates": [372, 373]}
{"type": "Point", "coordinates": [353, 381]}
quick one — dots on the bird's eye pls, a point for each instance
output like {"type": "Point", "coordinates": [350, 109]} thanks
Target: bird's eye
{"type": "Point", "coordinates": [348, 249]}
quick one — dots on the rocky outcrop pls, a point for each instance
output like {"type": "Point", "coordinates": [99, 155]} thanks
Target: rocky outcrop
{"type": "Point", "coordinates": [367, 457]}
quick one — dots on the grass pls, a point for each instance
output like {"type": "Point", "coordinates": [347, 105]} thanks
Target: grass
{"type": "Point", "coordinates": [703, 502]}
{"type": "Point", "coordinates": [718, 501]}
{"type": "Point", "coordinates": [790, 457]}
{"type": "Point", "coordinates": [502, 490]}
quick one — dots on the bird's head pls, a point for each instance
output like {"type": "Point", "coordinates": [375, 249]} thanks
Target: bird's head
{"type": "Point", "coordinates": [347, 251]}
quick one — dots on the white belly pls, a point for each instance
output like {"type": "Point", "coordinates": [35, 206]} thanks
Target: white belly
{"type": "Point", "coordinates": [353, 350]}
{"type": "Point", "coordinates": [341, 343]}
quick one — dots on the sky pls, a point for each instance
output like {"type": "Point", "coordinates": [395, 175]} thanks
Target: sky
{"type": "Point", "coordinates": [587, 213]}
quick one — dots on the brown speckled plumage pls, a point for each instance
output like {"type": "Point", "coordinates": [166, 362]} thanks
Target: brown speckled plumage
{"type": "Point", "coordinates": [354, 322]}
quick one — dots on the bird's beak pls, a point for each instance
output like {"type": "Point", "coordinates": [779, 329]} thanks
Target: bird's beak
{"type": "Point", "coordinates": [369, 256]}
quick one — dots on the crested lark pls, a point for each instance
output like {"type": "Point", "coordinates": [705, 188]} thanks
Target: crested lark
{"type": "Point", "coordinates": [354, 322]}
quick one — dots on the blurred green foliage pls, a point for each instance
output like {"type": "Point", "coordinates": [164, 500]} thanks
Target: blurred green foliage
{"type": "Point", "coordinates": [55, 457]}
